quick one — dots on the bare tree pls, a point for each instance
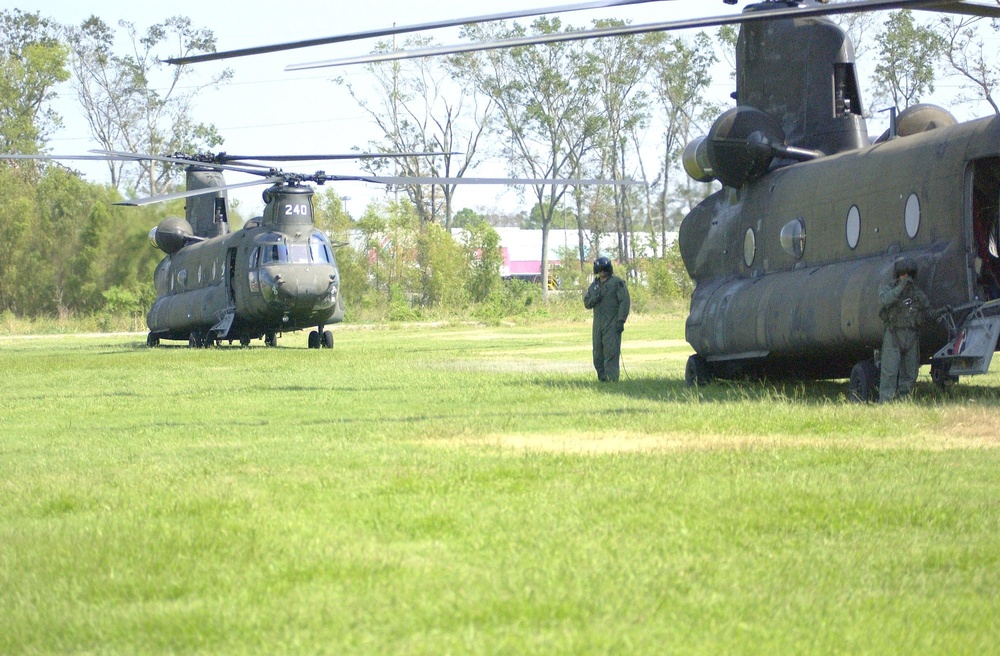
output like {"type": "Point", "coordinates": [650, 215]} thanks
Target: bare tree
{"type": "Point", "coordinates": [421, 109]}
{"type": "Point", "coordinates": [970, 59]}
{"type": "Point", "coordinates": [134, 102]}
{"type": "Point", "coordinates": [681, 77]}
{"type": "Point", "coordinates": [545, 107]}
{"type": "Point", "coordinates": [622, 64]}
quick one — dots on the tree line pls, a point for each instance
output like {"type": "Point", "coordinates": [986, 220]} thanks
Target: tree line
{"type": "Point", "coordinates": [571, 110]}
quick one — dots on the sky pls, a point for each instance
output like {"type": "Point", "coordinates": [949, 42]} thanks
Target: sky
{"type": "Point", "coordinates": [266, 110]}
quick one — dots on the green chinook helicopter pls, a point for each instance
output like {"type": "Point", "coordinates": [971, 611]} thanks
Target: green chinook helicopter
{"type": "Point", "coordinates": [278, 273]}
{"type": "Point", "coordinates": [788, 256]}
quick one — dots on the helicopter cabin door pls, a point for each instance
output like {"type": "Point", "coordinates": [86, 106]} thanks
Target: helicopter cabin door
{"type": "Point", "coordinates": [986, 228]}
{"type": "Point", "coordinates": [231, 277]}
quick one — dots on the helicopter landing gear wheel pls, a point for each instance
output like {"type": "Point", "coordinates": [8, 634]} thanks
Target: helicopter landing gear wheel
{"type": "Point", "coordinates": [271, 339]}
{"type": "Point", "coordinates": [314, 339]}
{"type": "Point", "coordinates": [697, 372]}
{"type": "Point", "coordinates": [152, 341]}
{"type": "Point", "coordinates": [941, 375]}
{"type": "Point", "coordinates": [327, 339]}
{"type": "Point", "coordinates": [864, 382]}
{"type": "Point", "coordinates": [244, 341]}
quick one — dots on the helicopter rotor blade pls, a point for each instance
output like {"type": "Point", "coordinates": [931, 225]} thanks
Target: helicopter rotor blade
{"type": "Point", "coordinates": [966, 8]}
{"type": "Point", "coordinates": [571, 182]}
{"type": "Point", "coordinates": [631, 29]}
{"type": "Point", "coordinates": [377, 33]}
{"type": "Point", "coordinates": [100, 158]}
{"type": "Point", "coordinates": [237, 163]}
{"type": "Point", "coordinates": [317, 158]}
{"type": "Point", "coordinates": [208, 162]}
{"type": "Point", "coordinates": [139, 202]}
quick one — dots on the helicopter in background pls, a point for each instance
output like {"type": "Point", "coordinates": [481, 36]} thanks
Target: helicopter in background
{"type": "Point", "coordinates": [788, 256]}
{"type": "Point", "coordinates": [278, 273]}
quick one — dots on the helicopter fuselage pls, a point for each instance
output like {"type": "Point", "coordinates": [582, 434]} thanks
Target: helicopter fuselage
{"type": "Point", "coordinates": [787, 268]}
{"type": "Point", "coordinates": [276, 274]}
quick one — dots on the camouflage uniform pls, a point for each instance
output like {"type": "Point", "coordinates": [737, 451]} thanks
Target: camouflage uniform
{"type": "Point", "coordinates": [904, 306]}
{"type": "Point", "coordinates": [610, 302]}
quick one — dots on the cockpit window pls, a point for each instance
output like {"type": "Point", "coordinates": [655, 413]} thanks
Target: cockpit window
{"type": "Point", "coordinates": [275, 253]}
{"type": "Point", "coordinates": [298, 254]}
{"type": "Point", "coordinates": [319, 249]}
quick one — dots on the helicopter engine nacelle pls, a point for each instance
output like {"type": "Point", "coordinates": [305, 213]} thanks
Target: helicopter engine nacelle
{"type": "Point", "coordinates": [696, 162]}
{"type": "Point", "coordinates": [171, 235]}
{"type": "Point", "coordinates": [741, 145]}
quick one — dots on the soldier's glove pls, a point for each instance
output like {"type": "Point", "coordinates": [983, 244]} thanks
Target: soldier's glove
{"type": "Point", "coordinates": [620, 325]}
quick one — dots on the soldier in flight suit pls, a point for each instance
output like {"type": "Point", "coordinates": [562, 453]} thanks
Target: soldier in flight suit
{"type": "Point", "coordinates": [608, 297]}
{"type": "Point", "coordinates": [903, 308]}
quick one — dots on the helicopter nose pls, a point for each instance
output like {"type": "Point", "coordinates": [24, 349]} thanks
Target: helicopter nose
{"type": "Point", "coordinates": [306, 286]}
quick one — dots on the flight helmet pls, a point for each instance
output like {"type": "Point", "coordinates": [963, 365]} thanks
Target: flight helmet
{"type": "Point", "coordinates": [603, 264]}
{"type": "Point", "coordinates": [904, 265]}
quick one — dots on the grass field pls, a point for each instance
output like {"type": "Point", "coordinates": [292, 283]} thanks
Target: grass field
{"type": "Point", "coordinates": [467, 489]}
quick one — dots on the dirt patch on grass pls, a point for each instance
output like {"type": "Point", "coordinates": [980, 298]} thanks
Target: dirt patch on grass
{"type": "Point", "coordinates": [972, 426]}
{"type": "Point", "coordinates": [595, 444]}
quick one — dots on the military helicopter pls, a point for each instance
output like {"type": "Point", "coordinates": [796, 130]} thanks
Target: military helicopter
{"type": "Point", "coordinates": [788, 256]}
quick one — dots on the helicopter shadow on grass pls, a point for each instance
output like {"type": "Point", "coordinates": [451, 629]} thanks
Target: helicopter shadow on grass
{"type": "Point", "coordinates": [675, 390]}
{"type": "Point", "coordinates": [458, 416]}
{"type": "Point", "coordinates": [329, 389]}
{"type": "Point", "coordinates": [822, 392]}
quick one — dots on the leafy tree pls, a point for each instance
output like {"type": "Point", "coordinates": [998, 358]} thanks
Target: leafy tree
{"type": "Point", "coordinates": [89, 261]}
{"type": "Point", "coordinates": [389, 235]}
{"type": "Point", "coordinates": [444, 270]}
{"type": "Point", "coordinates": [121, 95]}
{"type": "Point", "coordinates": [561, 218]}
{"type": "Point", "coordinates": [330, 216]}
{"type": "Point", "coordinates": [18, 224]}
{"type": "Point", "coordinates": [483, 244]}
{"type": "Point", "coordinates": [907, 52]}
{"type": "Point", "coordinates": [356, 285]}
{"type": "Point", "coordinates": [32, 63]}
{"type": "Point", "coordinates": [43, 238]}
{"type": "Point", "coordinates": [465, 217]}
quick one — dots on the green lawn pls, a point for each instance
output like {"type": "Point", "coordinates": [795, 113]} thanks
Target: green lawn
{"type": "Point", "coordinates": [464, 489]}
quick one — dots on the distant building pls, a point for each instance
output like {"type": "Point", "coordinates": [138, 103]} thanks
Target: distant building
{"type": "Point", "coordinates": [522, 249]}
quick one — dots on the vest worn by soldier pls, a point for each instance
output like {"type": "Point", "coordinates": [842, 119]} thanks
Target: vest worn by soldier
{"type": "Point", "coordinates": [907, 311]}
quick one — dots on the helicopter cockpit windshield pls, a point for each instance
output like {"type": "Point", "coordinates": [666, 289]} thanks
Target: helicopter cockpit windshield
{"type": "Point", "coordinates": [316, 251]}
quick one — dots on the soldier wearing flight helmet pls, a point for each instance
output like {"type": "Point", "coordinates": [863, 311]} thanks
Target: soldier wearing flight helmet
{"type": "Point", "coordinates": [903, 309]}
{"type": "Point", "coordinates": [608, 297]}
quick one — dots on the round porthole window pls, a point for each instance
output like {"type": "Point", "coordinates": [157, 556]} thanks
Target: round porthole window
{"type": "Point", "coordinates": [853, 227]}
{"type": "Point", "coordinates": [749, 247]}
{"type": "Point", "coordinates": [793, 238]}
{"type": "Point", "coordinates": [911, 217]}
